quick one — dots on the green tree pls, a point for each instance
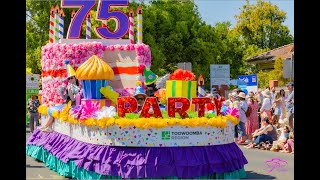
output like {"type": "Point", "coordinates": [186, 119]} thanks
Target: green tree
{"type": "Point", "coordinates": [231, 49]}
{"type": "Point", "coordinates": [176, 33]}
{"type": "Point", "coordinates": [28, 71]}
{"type": "Point", "coordinates": [275, 74]}
{"type": "Point", "coordinates": [37, 31]}
{"type": "Point", "coordinates": [251, 51]}
{"type": "Point", "coordinates": [261, 24]}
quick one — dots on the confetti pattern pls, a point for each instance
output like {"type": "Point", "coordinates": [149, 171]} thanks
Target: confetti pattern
{"type": "Point", "coordinates": [131, 136]}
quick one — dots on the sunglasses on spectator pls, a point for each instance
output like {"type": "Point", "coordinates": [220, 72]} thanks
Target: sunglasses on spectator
{"type": "Point", "coordinates": [140, 99]}
{"type": "Point", "coordinates": [70, 78]}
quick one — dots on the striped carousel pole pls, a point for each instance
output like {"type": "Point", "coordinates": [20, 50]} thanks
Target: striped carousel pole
{"type": "Point", "coordinates": [88, 27]}
{"type": "Point", "coordinates": [139, 25]}
{"type": "Point", "coordinates": [51, 25]}
{"type": "Point", "coordinates": [61, 24]}
{"type": "Point", "coordinates": [131, 26]}
{"type": "Point", "coordinates": [56, 23]}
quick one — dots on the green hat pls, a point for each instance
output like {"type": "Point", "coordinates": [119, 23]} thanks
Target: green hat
{"type": "Point", "coordinates": [150, 76]}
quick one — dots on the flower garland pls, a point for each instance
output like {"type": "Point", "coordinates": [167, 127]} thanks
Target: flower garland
{"type": "Point", "coordinates": [181, 74]}
{"type": "Point", "coordinates": [144, 123]}
{"type": "Point", "coordinates": [43, 109]}
{"type": "Point", "coordinates": [54, 54]}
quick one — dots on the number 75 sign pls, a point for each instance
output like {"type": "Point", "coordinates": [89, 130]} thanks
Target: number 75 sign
{"type": "Point", "coordinates": [103, 13]}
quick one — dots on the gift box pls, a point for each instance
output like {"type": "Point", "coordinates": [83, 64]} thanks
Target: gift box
{"type": "Point", "coordinates": [91, 88]}
{"type": "Point", "coordinates": [181, 88]}
{"type": "Point", "coordinates": [103, 102]}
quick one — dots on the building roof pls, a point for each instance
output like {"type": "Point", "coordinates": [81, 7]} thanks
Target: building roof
{"type": "Point", "coordinates": [284, 52]}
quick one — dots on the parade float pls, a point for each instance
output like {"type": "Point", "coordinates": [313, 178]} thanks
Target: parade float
{"type": "Point", "coordinates": [103, 137]}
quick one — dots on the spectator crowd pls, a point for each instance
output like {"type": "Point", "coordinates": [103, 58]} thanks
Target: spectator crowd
{"type": "Point", "coordinates": [266, 118]}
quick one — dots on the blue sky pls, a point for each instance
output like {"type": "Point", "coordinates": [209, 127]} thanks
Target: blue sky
{"type": "Point", "coordinates": [213, 11]}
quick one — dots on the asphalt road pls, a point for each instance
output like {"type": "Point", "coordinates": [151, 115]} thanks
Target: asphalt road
{"type": "Point", "coordinates": [256, 167]}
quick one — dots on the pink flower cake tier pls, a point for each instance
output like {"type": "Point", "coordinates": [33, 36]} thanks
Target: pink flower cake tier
{"type": "Point", "coordinates": [126, 61]}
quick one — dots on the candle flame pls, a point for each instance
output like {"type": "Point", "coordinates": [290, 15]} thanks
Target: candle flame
{"type": "Point", "coordinates": [131, 13]}
{"type": "Point", "coordinates": [139, 10]}
{"type": "Point", "coordinates": [73, 13]}
{"type": "Point", "coordinates": [61, 14]}
{"type": "Point", "coordinates": [57, 9]}
{"type": "Point", "coordinates": [200, 80]}
{"type": "Point", "coordinates": [52, 10]}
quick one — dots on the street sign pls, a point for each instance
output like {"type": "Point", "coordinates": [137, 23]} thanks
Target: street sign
{"type": "Point", "coordinates": [220, 71]}
{"type": "Point", "coordinates": [32, 91]}
{"type": "Point", "coordinates": [32, 80]}
{"type": "Point", "coordinates": [32, 87]}
{"type": "Point", "coordinates": [219, 74]}
{"type": "Point", "coordinates": [250, 82]}
{"type": "Point", "coordinates": [219, 81]}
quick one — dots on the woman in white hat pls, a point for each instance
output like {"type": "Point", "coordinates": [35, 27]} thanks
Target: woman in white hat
{"type": "Point", "coordinates": [266, 106]}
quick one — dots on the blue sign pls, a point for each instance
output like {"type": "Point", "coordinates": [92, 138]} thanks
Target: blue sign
{"type": "Point", "coordinates": [249, 80]}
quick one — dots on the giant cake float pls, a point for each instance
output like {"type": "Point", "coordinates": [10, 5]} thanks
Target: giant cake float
{"type": "Point", "coordinates": [102, 137]}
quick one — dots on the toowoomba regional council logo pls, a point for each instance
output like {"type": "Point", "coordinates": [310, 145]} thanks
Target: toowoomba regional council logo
{"type": "Point", "coordinates": [167, 135]}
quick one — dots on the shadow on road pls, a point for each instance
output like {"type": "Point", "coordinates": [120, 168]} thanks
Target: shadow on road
{"type": "Point", "coordinates": [29, 166]}
{"type": "Point", "coordinates": [253, 175]}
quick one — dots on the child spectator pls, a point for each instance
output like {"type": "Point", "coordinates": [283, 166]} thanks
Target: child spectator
{"type": "Point", "coordinates": [289, 146]}
{"type": "Point", "coordinates": [282, 140]}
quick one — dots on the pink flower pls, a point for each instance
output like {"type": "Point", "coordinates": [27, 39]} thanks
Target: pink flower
{"type": "Point", "coordinates": [89, 109]}
{"type": "Point", "coordinates": [139, 49]}
{"type": "Point", "coordinates": [112, 48]}
{"type": "Point", "coordinates": [131, 46]}
{"type": "Point", "coordinates": [140, 59]}
{"type": "Point", "coordinates": [120, 47]}
{"type": "Point", "coordinates": [233, 111]}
